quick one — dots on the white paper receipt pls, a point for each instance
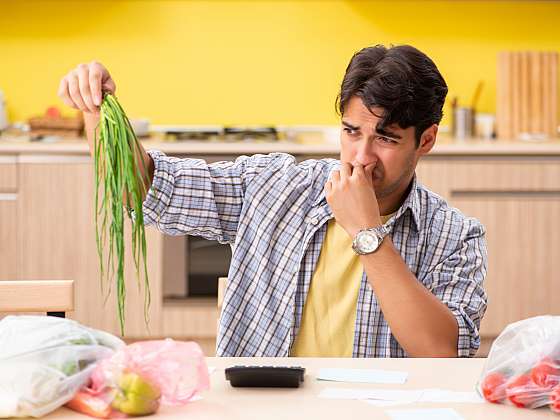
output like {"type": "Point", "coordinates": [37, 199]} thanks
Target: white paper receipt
{"type": "Point", "coordinates": [425, 414]}
{"type": "Point", "coordinates": [371, 394]}
{"type": "Point", "coordinates": [401, 396]}
{"type": "Point", "coordinates": [445, 396]}
{"type": "Point", "coordinates": [369, 376]}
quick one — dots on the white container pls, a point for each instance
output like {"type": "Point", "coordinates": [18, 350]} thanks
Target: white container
{"type": "Point", "coordinates": [484, 126]}
{"type": "Point", "coordinates": [311, 134]}
{"type": "Point", "coordinates": [140, 126]}
{"type": "Point", "coordinates": [3, 116]}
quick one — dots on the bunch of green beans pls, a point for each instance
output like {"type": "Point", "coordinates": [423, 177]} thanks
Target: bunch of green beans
{"type": "Point", "coordinates": [119, 185]}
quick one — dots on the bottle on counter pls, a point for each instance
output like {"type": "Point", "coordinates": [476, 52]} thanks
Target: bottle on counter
{"type": "Point", "coordinates": [3, 116]}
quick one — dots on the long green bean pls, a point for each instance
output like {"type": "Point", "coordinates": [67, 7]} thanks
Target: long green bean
{"type": "Point", "coordinates": [117, 175]}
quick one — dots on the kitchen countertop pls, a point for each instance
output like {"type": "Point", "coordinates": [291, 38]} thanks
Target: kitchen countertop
{"type": "Point", "coordinates": [444, 146]}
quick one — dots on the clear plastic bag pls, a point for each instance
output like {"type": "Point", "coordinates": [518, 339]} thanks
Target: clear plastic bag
{"type": "Point", "coordinates": [523, 367]}
{"type": "Point", "coordinates": [141, 376]}
{"type": "Point", "coordinates": [45, 360]}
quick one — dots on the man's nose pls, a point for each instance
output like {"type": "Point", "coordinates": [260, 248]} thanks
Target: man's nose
{"type": "Point", "coordinates": [366, 154]}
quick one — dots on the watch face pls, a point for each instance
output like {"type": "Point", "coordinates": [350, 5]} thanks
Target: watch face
{"type": "Point", "coordinates": [367, 241]}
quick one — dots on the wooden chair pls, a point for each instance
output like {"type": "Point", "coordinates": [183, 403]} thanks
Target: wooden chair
{"type": "Point", "coordinates": [222, 284]}
{"type": "Point", "coordinates": [55, 297]}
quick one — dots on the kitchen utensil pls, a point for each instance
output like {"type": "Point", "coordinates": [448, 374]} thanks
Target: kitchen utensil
{"type": "Point", "coordinates": [3, 116]}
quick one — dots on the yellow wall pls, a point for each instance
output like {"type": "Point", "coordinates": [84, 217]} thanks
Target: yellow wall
{"type": "Point", "coordinates": [251, 62]}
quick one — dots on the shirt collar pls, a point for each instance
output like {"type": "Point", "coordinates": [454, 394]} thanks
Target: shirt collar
{"type": "Point", "coordinates": [411, 203]}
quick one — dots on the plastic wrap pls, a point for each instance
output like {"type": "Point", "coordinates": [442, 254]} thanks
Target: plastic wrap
{"type": "Point", "coordinates": [523, 367]}
{"type": "Point", "coordinates": [141, 376]}
{"type": "Point", "coordinates": [45, 360]}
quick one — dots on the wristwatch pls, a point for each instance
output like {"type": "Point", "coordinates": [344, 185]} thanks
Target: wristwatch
{"type": "Point", "coordinates": [367, 241]}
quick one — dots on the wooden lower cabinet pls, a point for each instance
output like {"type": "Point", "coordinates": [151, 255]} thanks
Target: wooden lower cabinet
{"type": "Point", "coordinates": [8, 236]}
{"type": "Point", "coordinates": [56, 240]}
{"type": "Point", "coordinates": [516, 198]}
{"type": "Point", "coordinates": [523, 235]}
{"type": "Point", "coordinates": [8, 213]}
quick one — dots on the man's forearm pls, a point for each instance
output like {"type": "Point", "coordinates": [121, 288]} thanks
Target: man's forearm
{"type": "Point", "coordinates": [422, 324]}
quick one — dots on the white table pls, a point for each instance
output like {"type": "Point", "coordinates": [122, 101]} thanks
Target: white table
{"type": "Point", "coordinates": [224, 402]}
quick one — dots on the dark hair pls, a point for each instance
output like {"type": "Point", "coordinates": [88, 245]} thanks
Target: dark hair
{"type": "Point", "coordinates": [401, 80]}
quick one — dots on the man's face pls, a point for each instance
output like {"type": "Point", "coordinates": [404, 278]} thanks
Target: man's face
{"type": "Point", "coordinates": [394, 150]}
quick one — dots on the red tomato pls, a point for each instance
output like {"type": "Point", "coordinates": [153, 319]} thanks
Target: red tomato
{"type": "Point", "coordinates": [493, 387]}
{"type": "Point", "coordinates": [555, 400]}
{"type": "Point", "coordinates": [523, 392]}
{"type": "Point", "coordinates": [546, 373]}
{"type": "Point", "coordinates": [53, 112]}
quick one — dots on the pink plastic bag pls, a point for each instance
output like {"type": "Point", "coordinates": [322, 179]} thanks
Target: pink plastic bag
{"type": "Point", "coordinates": [141, 376]}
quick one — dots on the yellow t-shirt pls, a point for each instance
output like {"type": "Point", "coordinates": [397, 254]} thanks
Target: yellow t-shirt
{"type": "Point", "coordinates": [329, 314]}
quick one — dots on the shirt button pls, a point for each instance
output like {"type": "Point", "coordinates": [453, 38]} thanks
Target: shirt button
{"type": "Point", "coordinates": [314, 221]}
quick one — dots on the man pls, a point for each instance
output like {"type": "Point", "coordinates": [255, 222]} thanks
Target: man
{"type": "Point", "coordinates": [331, 258]}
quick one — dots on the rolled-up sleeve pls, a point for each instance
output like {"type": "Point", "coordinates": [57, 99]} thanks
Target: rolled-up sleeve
{"type": "Point", "coordinates": [192, 197]}
{"type": "Point", "coordinates": [458, 281]}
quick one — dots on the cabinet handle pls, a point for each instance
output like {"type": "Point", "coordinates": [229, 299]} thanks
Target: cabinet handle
{"type": "Point", "coordinates": [8, 197]}
{"type": "Point", "coordinates": [8, 159]}
{"type": "Point", "coordinates": [506, 193]}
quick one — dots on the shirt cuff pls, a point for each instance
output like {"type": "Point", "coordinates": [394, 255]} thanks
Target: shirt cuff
{"type": "Point", "coordinates": [160, 192]}
{"type": "Point", "coordinates": [468, 339]}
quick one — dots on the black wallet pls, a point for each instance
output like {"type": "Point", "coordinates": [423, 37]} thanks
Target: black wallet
{"type": "Point", "coordinates": [265, 376]}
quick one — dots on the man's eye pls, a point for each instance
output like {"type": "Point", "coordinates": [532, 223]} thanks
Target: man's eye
{"type": "Point", "coordinates": [350, 131]}
{"type": "Point", "coordinates": [386, 140]}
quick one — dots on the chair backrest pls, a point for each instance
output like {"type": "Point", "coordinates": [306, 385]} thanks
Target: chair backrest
{"type": "Point", "coordinates": [55, 297]}
{"type": "Point", "coordinates": [222, 284]}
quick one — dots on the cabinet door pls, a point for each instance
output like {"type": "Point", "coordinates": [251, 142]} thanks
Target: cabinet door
{"type": "Point", "coordinates": [8, 223]}
{"type": "Point", "coordinates": [517, 199]}
{"type": "Point", "coordinates": [57, 241]}
{"type": "Point", "coordinates": [8, 236]}
{"type": "Point", "coordinates": [523, 236]}
{"type": "Point", "coordinates": [8, 173]}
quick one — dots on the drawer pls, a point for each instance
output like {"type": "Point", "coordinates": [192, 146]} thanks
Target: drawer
{"type": "Point", "coordinates": [8, 173]}
{"type": "Point", "coordinates": [518, 174]}
{"type": "Point", "coordinates": [8, 236]}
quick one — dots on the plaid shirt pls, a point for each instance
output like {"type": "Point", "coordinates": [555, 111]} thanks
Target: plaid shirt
{"type": "Point", "coordinates": [273, 212]}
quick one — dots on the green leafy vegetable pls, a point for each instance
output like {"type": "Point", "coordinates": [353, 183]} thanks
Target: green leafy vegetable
{"type": "Point", "coordinates": [119, 183]}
